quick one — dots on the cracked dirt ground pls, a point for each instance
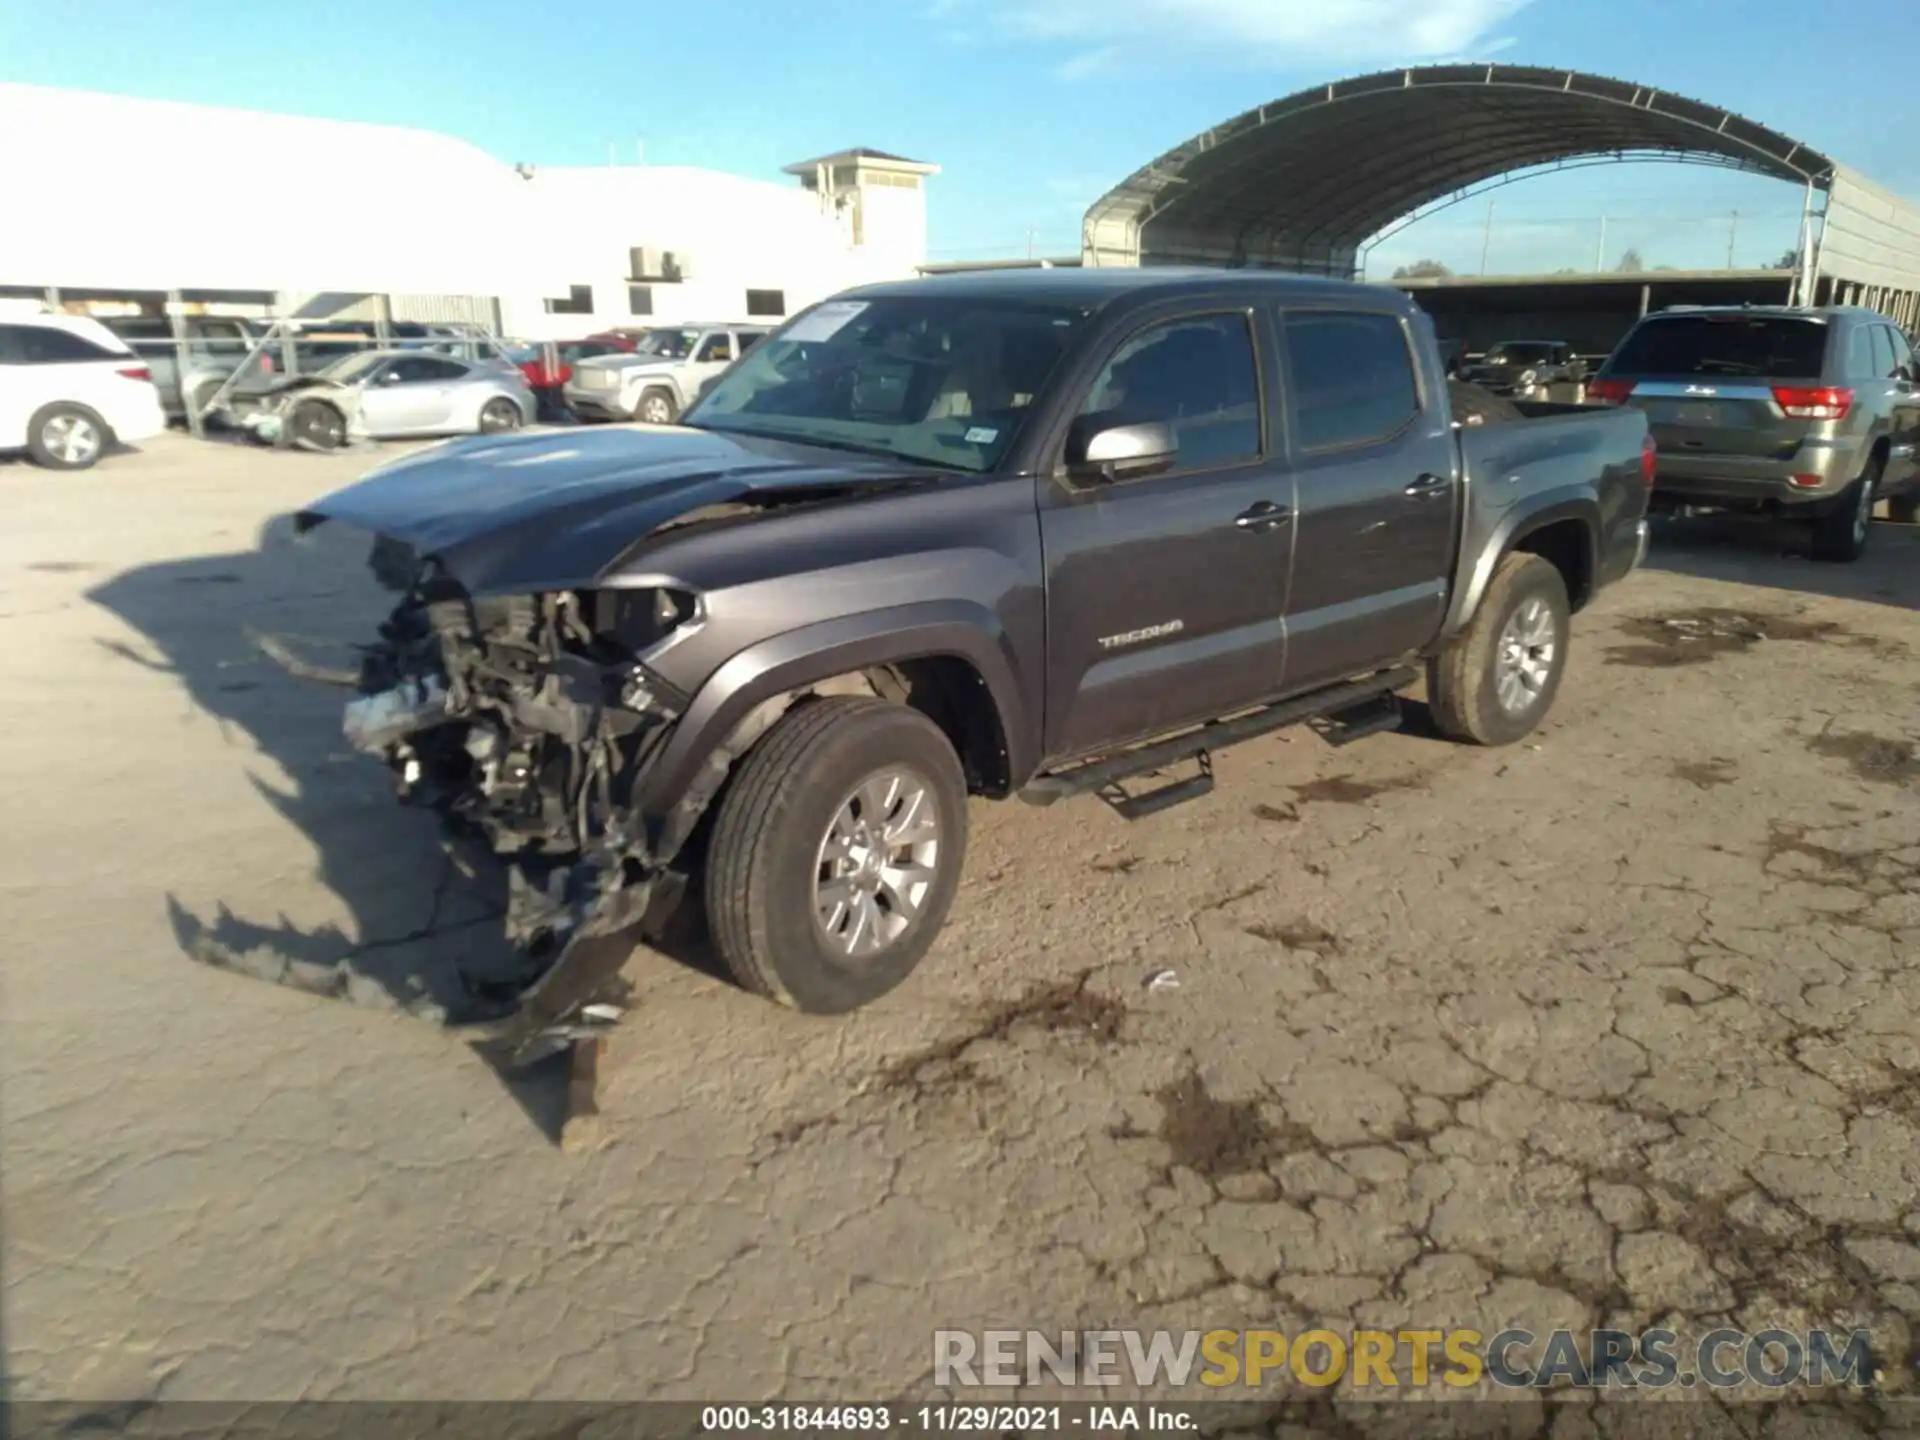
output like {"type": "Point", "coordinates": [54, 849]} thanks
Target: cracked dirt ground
{"type": "Point", "coordinates": [1619, 1026]}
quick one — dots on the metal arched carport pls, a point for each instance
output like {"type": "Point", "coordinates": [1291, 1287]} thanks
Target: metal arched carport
{"type": "Point", "coordinates": [1303, 182]}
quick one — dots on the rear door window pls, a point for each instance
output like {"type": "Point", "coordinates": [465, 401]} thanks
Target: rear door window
{"type": "Point", "coordinates": [1863, 363]}
{"type": "Point", "coordinates": [1778, 347]}
{"type": "Point", "coordinates": [47, 345]}
{"type": "Point", "coordinates": [1350, 378]}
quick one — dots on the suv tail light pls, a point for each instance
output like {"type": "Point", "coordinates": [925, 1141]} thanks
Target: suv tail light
{"type": "Point", "coordinates": [1649, 460]}
{"type": "Point", "coordinates": [1610, 392]}
{"type": "Point", "coordinates": [1813, 402]}
{"type": "Point", "coordinates": [135, 372]}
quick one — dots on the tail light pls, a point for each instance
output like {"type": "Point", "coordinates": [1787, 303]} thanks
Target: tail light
{"type": "Point", "coordinates": [135, 372]}
{"type": "Point", "coordinates": [1649, 460]}
{"type": "Point", "coordinates": [1813, 402]}
{"type": "Point", "coordinates": [1610, 392]}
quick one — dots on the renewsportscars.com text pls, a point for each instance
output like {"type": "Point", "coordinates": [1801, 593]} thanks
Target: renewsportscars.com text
{"type": "Point", "coordinates": [1389, 1359]}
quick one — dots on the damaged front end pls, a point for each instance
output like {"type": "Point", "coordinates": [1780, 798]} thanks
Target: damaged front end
{"type": "Point", "coordinates": [526, 722]}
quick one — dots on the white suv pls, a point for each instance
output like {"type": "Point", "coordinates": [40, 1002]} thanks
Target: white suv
{"type": "Point", "coordinates": [70, 389]}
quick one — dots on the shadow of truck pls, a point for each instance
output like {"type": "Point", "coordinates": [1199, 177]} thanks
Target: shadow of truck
{"type": "Point", "coordinates": [421, 931]}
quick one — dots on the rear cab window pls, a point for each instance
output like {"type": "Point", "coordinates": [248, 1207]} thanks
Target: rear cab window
{"type": "Point", "coordinates": [1782, 347]}
{"type": "Point", "coordinates": [1351, 380]}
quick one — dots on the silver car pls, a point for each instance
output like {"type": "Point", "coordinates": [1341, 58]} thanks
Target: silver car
{"type": "Point", "coordinates": [392, 395]}
{"type": "Point", "coordinates": [666, 371]}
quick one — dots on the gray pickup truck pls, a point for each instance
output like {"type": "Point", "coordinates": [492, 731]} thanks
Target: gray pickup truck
{"type": "Point", "coordinates": [1038, 533]}
{"type": "Point", "coordinates": [1800, 413]}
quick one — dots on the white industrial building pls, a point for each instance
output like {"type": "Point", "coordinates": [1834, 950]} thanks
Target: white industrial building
{"type": "Point", "coordinates": [333, 219]}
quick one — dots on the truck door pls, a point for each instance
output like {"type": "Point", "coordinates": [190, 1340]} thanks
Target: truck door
{"type": "Point", "coordinates": [1164, 592]}
{"type": "Point", "coordinates": [1375, 460]}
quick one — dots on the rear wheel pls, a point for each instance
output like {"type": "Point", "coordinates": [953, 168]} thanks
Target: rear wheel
{"type": "Point", "coordinates": [656, 407]}
{"type": "Point", "coordinates": [499, 415]}
{"type": "Point", "coordinates": [1841, 534]}
{"type": "Point", "coordinates": [1495, 682]}
{"type": "Point", "coordinates": [66, 437]}
{"type": "Point", "coordinates": [836, 853]}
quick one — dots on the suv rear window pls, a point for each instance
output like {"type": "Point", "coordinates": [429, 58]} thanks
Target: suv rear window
{"type": "Point", "coordinates": [1778, 347]}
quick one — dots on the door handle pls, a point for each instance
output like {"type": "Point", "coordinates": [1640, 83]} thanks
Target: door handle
{"type": "Point", "coordinates": [1263, 516]}
{"type": "Point", "coordinates": [1428, 485]}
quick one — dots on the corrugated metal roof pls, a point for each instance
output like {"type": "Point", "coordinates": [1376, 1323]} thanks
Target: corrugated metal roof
{"type": "Point", "coordinates": [1304, 180]}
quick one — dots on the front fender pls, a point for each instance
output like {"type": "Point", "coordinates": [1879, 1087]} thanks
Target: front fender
{"type": "Point", "coordinates": [1484, 554]}
{"type": "Point", "coordinates": [798, 658]}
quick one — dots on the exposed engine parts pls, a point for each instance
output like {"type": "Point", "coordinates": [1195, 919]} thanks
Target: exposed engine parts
{"type": "Point", "coordinates": [524, 722]}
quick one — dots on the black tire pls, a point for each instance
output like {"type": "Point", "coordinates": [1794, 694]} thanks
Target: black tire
{"type": "Point", "coordinates": [762, 864]}
{"type": "Point", "coordinates": [1840, 535]}
{"type": "Point", "coordinates": [1904, 509]}
{"type": "Point", "coordinates": [65, 436]}
{"type": "Point", "coordinates": [499, 415]}
{"type": "Point", "coordinates": [1464, 680]}
{"type": "Point", "coordinates": [316, 425]}
{"type": "Point", "coordinates": [657, 406]}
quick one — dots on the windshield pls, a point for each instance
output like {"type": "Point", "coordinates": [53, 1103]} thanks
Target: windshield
{"type": "Point", "coordinates": [1520, 350]}
{"type": "Point", "coordinates": [937, 379]}
{"type": "Point", "coordinates": [351, 367]}
{"type": "Point", "coordinates": [668, 344]}
{"type": "Point", "coordinates": [1778, 347]}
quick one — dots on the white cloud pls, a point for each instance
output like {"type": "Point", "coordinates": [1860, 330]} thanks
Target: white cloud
{"type": "Point", "coordinates": [1267, 32]}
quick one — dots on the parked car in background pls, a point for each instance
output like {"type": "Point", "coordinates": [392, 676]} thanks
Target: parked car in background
{"type": "Point", "coordinates": [1515, 366]}
{"type": "Point", "coordinates": [548, 376]}
{"type": "Point", "coordinates": [391, 395]}
{"type": "Point", "coordinates": [1039, 532]}
{"type": "Point", "coordinates": [70, 389]}
{"type": "Point", "coordinates": [216, 346]}
{"type": "Point", "coordinates": [665, 372]}
{"type": "Point", "coordinates": [1805, 413]}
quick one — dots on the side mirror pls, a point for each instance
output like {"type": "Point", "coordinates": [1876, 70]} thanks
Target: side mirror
{"type": "Point", "coordinates": [1126, 451]}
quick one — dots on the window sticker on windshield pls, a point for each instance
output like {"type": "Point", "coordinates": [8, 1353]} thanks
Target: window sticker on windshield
{"type": "Point", "coordinates": [982, 434]}
{"type": "Point", "coordinates": [825, 322]}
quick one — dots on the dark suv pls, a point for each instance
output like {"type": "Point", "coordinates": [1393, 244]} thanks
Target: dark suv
{"type": "Point", "coordinates": [1799, 412]}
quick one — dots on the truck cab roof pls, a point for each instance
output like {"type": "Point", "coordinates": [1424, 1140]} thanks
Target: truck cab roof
{"type": "Point", "coordinates": [1097, 288]}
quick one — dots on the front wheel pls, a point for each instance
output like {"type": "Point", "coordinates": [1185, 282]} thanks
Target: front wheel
{"type": "Point", "coordinates": [1495, 681]}
{"type": "Point", "coordinates": [656, 407]}
{"type": "Point", "coordinates": [316, 425]}
{"type": "Point", "coordinates": [836, 853]}
{"type": "Point", "coordinates": [1904, 509]}
{"type": "Point", "coordinates": [1840, 535]}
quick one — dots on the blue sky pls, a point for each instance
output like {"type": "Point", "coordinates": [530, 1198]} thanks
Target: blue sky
{"type": "Point", "coordinates": [1032, 107]}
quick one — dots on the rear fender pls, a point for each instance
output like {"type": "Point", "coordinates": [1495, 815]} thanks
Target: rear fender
{"type": "Point", "coordinates": [1535, 513]}
{"type": "Point", "coordinates": [750, 691]}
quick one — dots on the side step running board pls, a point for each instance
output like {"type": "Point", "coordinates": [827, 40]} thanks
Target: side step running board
{"type": "Point", "coordinates": [1370, 717]}
{"type": "Point", "coordinates": [1338, 701]}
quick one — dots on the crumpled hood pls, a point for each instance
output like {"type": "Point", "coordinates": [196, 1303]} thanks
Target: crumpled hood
{"type": "Point", "coordinates": [525, 513]}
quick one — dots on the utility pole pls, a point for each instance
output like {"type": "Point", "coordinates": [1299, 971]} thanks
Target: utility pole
{"type": "Point", "coordinates": [1486, 242]}
{"type": "Point", "coordinates": [1029, 244]}
{"type": "Point", "coordinates": [1600, 255]}
{"type": "Point", "coordinates": [1733, 233]}
{"type": "Point", "coordinates": [640, 150]}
